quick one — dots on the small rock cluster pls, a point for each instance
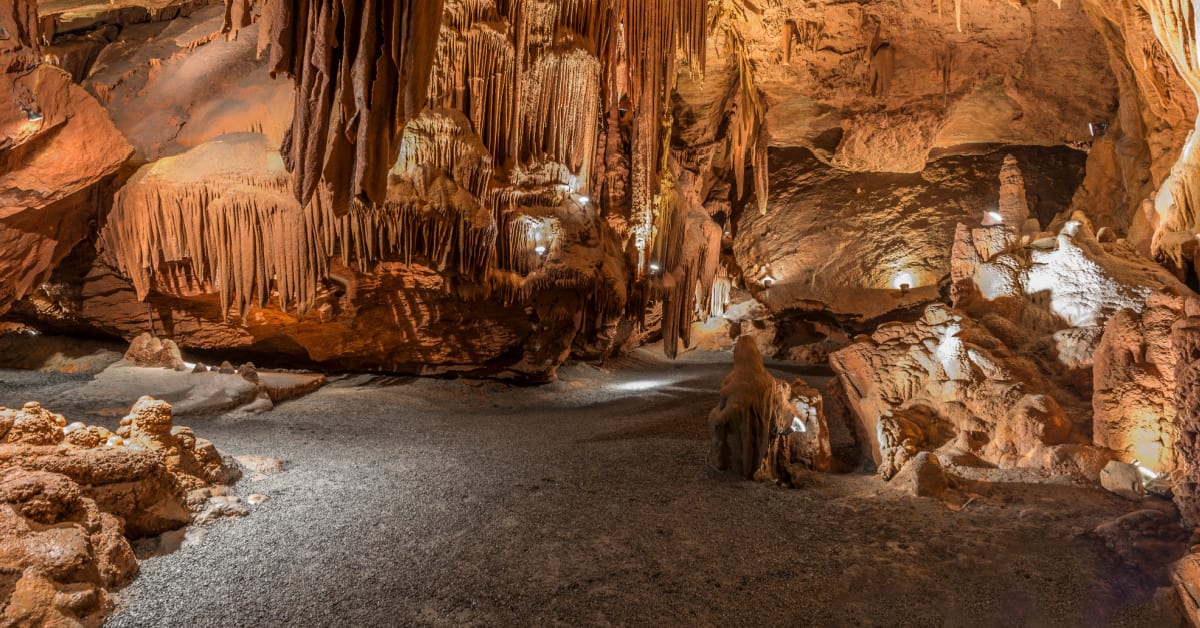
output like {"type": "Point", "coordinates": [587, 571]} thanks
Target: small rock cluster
{"type": "Point", "coordinates": [71, 495]}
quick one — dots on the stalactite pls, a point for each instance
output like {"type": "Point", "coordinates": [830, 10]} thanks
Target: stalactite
{"type": "Point", "coordinates": [748, 129]}
{"type": "Point", "coordinates": [361, 70]}
{"type": "Point", "coordinates": [238, 15]}
{"type": "Point", "coordinates": [513, 91]}
{"type": "Point", "coordinates": [714, 302]}
{"type": "Point", "coordinates": [443, 139]}
{"type": "Point", "coordinates": [245, 235]}
{"type": "Point", "coordinates": [945, 65]}
{"type": "Point", "coordinates": [238, 237]}
{"type": "Point", "coordinates": [958, 14]}
{"type": "Point", "coordinates": [787, 40]}
{"type": "Point", "coordinates": [561, 115]}
{"type": "Point", "coordinates": [654, 29]}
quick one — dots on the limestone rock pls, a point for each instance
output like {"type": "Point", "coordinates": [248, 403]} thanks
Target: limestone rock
{"type": "Point", "coordinates": [1134, 384]}
{"type": "Point", "coordinates": [918, 386]}
{"type": "Point", "coordinates": [1185, 344]}
{"type": "Point", "coordinates": [1124, 479]}
{"type": "Point", "coordinates": [1185, 576]}
{"type": "Point", "coordinates": [59, 553]}
{"type": "Point", "coordinates": [56, 146]}
{"type": "Point", "coordinates": [765, 429]}
{"type": "Point", "coordinates": [32, 425]}
{"type": "Point", "coordinates": [923, 476]}
{"type": "Point", "coordinates": [151, 351]}
{"type": "Point", "coordinates": [141, 474]}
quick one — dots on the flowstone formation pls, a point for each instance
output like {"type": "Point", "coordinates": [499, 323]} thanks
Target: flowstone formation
{"type": "Point", "coordinates": [946, 383]}
{"type": "Point", "coordinates": [766, 429]}
{"type": "Point", "coordinates": [71, 496]}
{"type": "Point", "coordinates": [1056, 355]}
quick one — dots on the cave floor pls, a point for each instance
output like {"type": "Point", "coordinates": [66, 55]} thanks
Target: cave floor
{"type": "Point", "coordinates": [588, 502]}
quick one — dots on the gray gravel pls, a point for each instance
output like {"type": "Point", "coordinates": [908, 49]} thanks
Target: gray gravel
{"type": "Point", "coordinates": [587, 502]}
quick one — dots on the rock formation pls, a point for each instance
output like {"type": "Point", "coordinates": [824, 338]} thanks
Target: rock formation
{"type": "Point", "coordinates": [71, 494]}
{"type": "Point", "coordinates": [1134, 384]}
{"type": "Point", "coordinates": [148, 351]}
{"type": "Point", "coordinates": [946, 381]}
{"type": "Point", "coordinates": [763, 428]}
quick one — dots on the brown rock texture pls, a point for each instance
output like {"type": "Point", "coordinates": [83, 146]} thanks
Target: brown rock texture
{"type": "Point", "coordinates": [1134, 384]}
{"type": "Point", "coordinates": [148, 351]}
{"type": "Point", "coordinates": [71, 494]}
{"type": "Point", "coordinates": [59, 553]}
{"type": "Point", "coordinates": [142, 473]}
{"type": "Point", "coordinates": [945, 380]}
{"type": "Point", "coordinates": [763, 428]}
{"type": "Point", "coordinates": [1185, 344]}
{"type": "Point", "coordinates": [56, 146]}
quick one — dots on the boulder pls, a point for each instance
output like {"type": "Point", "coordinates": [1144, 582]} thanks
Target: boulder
{"type": "Point", "coordinates": [1123, 479]}
{"type": "Point", "coordinates": [151, 351]}
{"type": "Point", "coordinates": [923, 476]}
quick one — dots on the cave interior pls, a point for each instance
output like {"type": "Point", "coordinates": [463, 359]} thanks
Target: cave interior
{"type": "Point", "coordinates": [596, 312]}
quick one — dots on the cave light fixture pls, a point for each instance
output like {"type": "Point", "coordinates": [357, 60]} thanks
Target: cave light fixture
{"type": "Point", "coordinates": [31, 114]}
{"type": "Point", "coordinates": [1147, 473]}
{"type": "Point", "coordinates": [654, 267]}
{"type": "Point", "coordinates": [995, 217]}
{"type": "Point", "coordinates": [903, 280]}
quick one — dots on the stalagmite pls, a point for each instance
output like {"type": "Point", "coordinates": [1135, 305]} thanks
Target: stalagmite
{"type": "Point", "coordinates": [763, 428]}
{"type": "Point", "coordinates": [1014, 208]}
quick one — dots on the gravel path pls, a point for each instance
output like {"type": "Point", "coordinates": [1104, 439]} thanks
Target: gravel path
{"type": "Point", "coordinates": [587, 502]}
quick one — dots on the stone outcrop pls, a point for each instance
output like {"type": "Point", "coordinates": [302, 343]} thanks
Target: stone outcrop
{"type": "Point", "coordinates": [765, 429]}
{"type": "Point", "coordinates": [57, 146]}
{"type": "Point", "coordinates": [143, 473]}
{"type": "Point", "coordinates": [1133, 397]}
{"type": "Point", "coordinates": [946, 381]}
{"type": "Point", "coordinates": [71, 494]}
{"type": "Point", "coordinates": [60, 554]}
